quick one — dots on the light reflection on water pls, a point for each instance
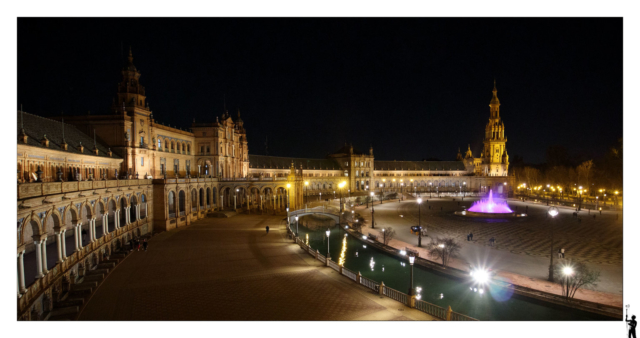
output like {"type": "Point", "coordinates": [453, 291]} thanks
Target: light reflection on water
{"type": "Point", "coordinates": [497, 304]}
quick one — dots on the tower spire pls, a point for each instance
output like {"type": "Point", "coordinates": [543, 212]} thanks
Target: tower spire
{"type": "Point", "coordinates": [495, 102]}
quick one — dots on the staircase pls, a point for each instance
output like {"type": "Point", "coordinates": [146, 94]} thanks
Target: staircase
{"type": "Point", "coordinates": [68, 307]}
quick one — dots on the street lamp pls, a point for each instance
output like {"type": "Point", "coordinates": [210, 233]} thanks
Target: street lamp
{"type": "Point", "coordinates": [328, 232]}
{"type": "Point", "coordinates": [429, 189]}
{"type": "Point", "coordinates": [296, 226]}
{"type": "Point", "coordinates": [567, 271]}
{"type": "Point", "coordinates": [553, 212]}
{"type": "Point", "coordinates": [464, 190]}
{"type": "Point", "coordinates": [419, 226]}
{"type": "Point", "coordinates": [401, 191]}
{"type": "Point", "coordinates": [411, 260]}
{"type": "Point", "coordinates": [384, 238]}
{"type": "Point", "coordinates": [373, 222]}
{"type": "Point", "coordinates": [384, 180]}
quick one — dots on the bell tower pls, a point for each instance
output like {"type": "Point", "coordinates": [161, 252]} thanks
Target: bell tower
{"type": "Point", "coordinates": [494, 140]}
{"type": "Point", "coordinates": [131, 97]}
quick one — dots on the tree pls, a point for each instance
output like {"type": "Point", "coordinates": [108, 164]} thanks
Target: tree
{"type": "Point", "coordinates": [388, 234]}
{"type": "Point", "coordinates": [359, 199]}
{"type": "Point", "coordinates": [443, 249]}
{"type": "Point", "coordinates": [584, 171]}
{"type": "Point", "coordinates": [576, 275]}
{"type": "Point", "coordinates": [359, 224]}
{"type": "Point", "coordinates": [392, 196]}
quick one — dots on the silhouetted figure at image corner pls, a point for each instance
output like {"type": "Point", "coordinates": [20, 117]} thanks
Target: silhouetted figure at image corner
{"type": "Point", "coordinates": [267, 229]}
{"type": "Point", "coordinates": [632, 326]}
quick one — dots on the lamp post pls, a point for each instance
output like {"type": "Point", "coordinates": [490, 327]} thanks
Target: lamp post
{"type": "Point", "coordinates": [429, 189]}
{"type": "Point", "coordinates": [384, 180]}
{"type": "Point", "coordinates": [384, 238]}
{"type": "Point", "coordinates": [235, 199]}
{"type": "Point", "coordinates": [401, 191]}
{"type": "Point", "coordinates": [328, 232]}
{"type": "Point", "coordinates": [419, 226]}
{"type": "Point", "coordinates": [411, 260]}
{"type": "Point", "coordinates": [373, 221]}
{"type": "Point", "coordinates": [553, 212]}
{"type": "Point", "coordinates": [464, 190]}
{"type": "Point", "coordinates": [567, 271]}
{"type": "Point", "coordinates": [296, 226]}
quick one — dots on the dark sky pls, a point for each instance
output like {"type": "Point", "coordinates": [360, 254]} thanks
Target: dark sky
{"type": "Point", "coordinates": [412, 88]}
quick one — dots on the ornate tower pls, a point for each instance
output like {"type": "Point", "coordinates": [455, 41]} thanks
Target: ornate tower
{"type": "Point", "coordinates": [494, 163]}
{"type": "Point", "coordinates": [131, 97]}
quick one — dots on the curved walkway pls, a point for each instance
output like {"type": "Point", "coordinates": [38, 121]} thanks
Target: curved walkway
{"type": "Point", "coordinates": [230, 269]}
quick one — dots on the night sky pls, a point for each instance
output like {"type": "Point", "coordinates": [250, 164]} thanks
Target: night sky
{"type": "Point", "coordinates": [412, 88]}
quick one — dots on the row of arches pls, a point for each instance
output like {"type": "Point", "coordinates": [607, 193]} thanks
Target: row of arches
{"type": "Point", "coordinates": [48, 238]}
{"type": "Point", "coordinates": [422, 183]}
{"type": "Point", "coordinates": [171, 145]}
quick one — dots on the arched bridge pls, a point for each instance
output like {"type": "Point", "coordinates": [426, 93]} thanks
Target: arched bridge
{"type": "Point", "coordinates": [329, 212]}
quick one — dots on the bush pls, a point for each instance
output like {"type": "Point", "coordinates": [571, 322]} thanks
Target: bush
{"type": "Point", "coordinates": [581, 276]}
{"type": "Point", "coordinates": [388, 235]}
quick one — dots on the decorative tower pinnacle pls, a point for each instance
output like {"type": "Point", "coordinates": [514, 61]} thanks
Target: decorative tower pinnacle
{"type": "Point", "coordinates": [495, 103]}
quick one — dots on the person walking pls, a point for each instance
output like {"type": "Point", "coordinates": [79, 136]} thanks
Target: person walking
{"type": "Point", "coordinates": [144, 244]}
{"type": "Point", "coordinates": [138, 243]}
{"type": "Point", "coordinates": [471, 235]}
{"type": "Point", "coordinates": [267, 229]}
{"type": "Point", "coordinates": [562, 252]}
{"type": "Point", "coordinates": [468, 237]}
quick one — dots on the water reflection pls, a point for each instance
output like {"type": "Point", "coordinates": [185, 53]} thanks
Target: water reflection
{"type": "Point", "coordinates": [343, 253]}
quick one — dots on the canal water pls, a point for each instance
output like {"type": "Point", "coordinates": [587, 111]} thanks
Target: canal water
{"type": "Point", "coordinates": [492, 303]}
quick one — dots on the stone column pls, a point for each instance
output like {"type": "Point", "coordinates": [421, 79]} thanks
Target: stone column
{"type": "Point", "coordinates": [116, 219]}
{"type": "Point", "coordinates": [23, 289]}
{"type": "Point", "coordinates": [146, 210]}
{"type": "Point", "coordinates": [38, 242]}
{"type": "Point", "coordinates": [59, 246]}
{"type": "Point", "coordinates": [78, 235]}
{"type": "Point", "coordinates": [105, 224]}
{"type": "Point", "coordinates": [91, 230]}
{"type": "Point", "coordinates": [64, 244]}
{"type": "Point", "coordinates": [44, 256]}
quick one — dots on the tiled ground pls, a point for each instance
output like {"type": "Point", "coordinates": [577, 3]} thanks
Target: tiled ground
{"type": "Point", "coordinates": [596, 240]}
{"type": "Point", "coordinates": [230, 269]}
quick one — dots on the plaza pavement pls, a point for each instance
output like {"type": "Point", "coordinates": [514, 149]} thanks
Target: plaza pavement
{"type": "Point", "coordinates": [521, 254]}
{"type": "Point", "coordinates": [230, 269]}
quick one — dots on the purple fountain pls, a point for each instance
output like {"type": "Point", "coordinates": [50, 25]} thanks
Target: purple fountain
{"type": "Point", "coordinates": [489, 206]}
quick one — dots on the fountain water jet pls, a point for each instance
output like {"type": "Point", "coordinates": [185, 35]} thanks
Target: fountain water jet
{"type": "Point", "coordinates": [490, 207]}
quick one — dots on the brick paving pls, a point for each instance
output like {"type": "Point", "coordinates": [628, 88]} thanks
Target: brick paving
{"type": "Point", "coordinates": [597, 241]}
{"type": "Point", "coordinates": [230, 269]}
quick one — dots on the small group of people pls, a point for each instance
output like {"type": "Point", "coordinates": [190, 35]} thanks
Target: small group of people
{"type": "Point", "coordinates": [136, 243]}
{"type": "Point", "coordinates": [470, 236]}
{"type": "Point", "coordinates": [560, 252]}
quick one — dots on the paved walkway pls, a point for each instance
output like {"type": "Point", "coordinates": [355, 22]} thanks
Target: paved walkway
{"type": "Point", "coordinates": [230, 269]}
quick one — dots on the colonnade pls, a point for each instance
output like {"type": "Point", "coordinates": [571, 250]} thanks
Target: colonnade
{"type": "Point", "coordinates": [40, 242]}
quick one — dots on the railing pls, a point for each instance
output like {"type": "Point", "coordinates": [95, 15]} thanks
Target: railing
{"type": "Point", "coordinates": [334, 265]}
{"type": "Point", "coordinates": [459, 317]}
{"type": "Point", "coordinates": [371, 284]}
{"type": "Point", "coordinates": [431, 309]}
{"type": "Point", "coordinates": [396, 295]}
{"type": "Point", "coordinates": [348, 273]}
{"type": "Point", "coordinates": [280, 178]}
{"type": "Point", "coordinates": [428, 308]}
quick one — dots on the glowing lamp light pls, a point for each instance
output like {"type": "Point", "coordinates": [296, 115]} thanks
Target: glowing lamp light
{"type": "Point", "coordinates": [553, 212]}
{"type": "Point", "coordinates": [441, 246]}
{"type": "Point", "coordinates": [418, 297]}
{"type": "Point", "coordinates": [402, 252]}
{"type": "Point", "coordinates": [364, 237]}
{"type": "Point", "coordinates": [296, 218]}
{"type": "Point", "coordinates": [567, 270]}
{"type": "Point", "coordinates": [481, 276]}
{"type": "Point", "coordinates": [418, 289]}
{"type": "Point", "coordinates": [288, 185]}
{"type": "Point", "coordinates": [346, 227]}
{"type": "Point", "coordinates": [411, 259]}
{"type": "Point", "coordinates": [481, 291]}
{"type": "Point", "coordinates": [419, 200]}
{"type": "Point", "coordinates": [328, 232]}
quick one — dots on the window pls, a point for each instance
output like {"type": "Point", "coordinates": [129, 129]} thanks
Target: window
{"type": "Point", "coordinates": [141, 139]}
{"type": "Point", "coordinates": [346, 173]}
{"type": "Point", "coordinates": [208, 149]}
{"type": "Point", "coordinates": [142, 161]}
{"type": "Point", "coordinates": [201, 149]}
{"type": "Point", "coordinates": [159, 144]}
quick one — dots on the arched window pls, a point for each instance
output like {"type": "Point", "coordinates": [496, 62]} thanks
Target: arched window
{"type": "Point", "coordinates": [166, 145]}
{"type": "Point", "coordinates": [346, 173]}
